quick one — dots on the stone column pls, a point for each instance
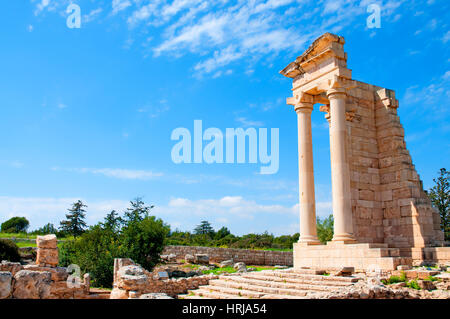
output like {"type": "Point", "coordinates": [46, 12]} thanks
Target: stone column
{"type": "Point", "coordinates": [340, 176]}
{"type": "Point", "coordinates": [308, 231]}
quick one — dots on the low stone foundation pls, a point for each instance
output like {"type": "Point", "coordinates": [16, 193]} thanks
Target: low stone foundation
{"type": "Point", "coordinates": [363, 257]}
{"type": "Point", "coordinates": [247, 256]}
{"type": "Point", "coordinates": [132, 281]}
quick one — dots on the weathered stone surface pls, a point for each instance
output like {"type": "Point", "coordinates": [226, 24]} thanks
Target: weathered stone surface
{"type": "Point", "coordinates": [117, 293]}
{"type": "Point", "coordinates": [426, 284]}
{"type": "Point", "coordinates": [12, 267]}
{"type": "Point", "coordinates": [344, 271]}
{"type": "Point", "coordinates": [5, 284]}
{"type": "Point", "coordinates": [155, 296]}
{"type": "Point", "coordinates": [201, 259]}
{"type": "Point", "coordinates": [188, 258]}
{"type": "Point", "coordinates": [32, 285]}
{"type": "Point", "coordinates": [47, 242]}
{"type": "Point", "coordinates": [58, 273]}
{"type": "Point", "coordinates": [240, 267]}
{"type": "Point", "coordinates": [403, 267]}
{"type": "Point", "coordinates": [131, 277]}
{"type": "Point", "coordinates": [47, 256]}
{"type": "Point", "coordinates": [227, 263]}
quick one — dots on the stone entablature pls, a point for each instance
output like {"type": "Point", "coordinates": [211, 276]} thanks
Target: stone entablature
{"type": "Point", "coordinates": [377, 194]}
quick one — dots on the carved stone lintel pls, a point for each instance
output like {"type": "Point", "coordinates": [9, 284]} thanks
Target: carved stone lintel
{"type": "Point", "coordinates": [349, 115]}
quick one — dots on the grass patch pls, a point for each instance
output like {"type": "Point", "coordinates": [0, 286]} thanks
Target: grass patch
{"type": "Point", "coordinates": [21, 244]}
{"type": "Point", "coordinates": [431, 278]}
{"type": "Point", "coordinates": [395, 279]}
{"type": "Point", "coordinates": [218, 271]}
{"type": "Point", "coordinates": [259, 268]}
{"type": "Point", "coordinates": [413, 284]}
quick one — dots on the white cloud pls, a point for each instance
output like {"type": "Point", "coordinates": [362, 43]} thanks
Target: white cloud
{"type": "Point", "coordinates": [119, 173]}
{"type": "Point", "coordinates": [248, 123]}
{"type": "Point", "coordinates": [120, 5]}
{"type": "Point", "coordinates": [446, 37]}
{"type": "Point", "coordinates": [42, 210]}
{"type": "Point", "coordinates": [222, 32]}
{"type": "Point", "coordinates": [91, 16]}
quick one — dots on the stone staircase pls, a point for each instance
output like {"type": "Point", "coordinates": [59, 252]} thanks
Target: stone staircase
{"type": "Point", "coordinates": [269, 284]}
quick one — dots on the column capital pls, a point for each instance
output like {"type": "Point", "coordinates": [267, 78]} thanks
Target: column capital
{"type": "Point", "coordinates": [336, 93]}
{"type": "Point", "coordinates": [304, 108]}
{"type": "Point", "coordinates": [302, 102]}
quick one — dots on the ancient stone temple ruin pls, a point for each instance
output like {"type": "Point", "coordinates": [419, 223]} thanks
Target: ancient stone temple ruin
{"type": "Point", "coordinates": [382, 216]}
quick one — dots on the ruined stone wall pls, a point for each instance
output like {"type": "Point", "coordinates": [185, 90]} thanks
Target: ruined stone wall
{"type": "Point", "coordinates": [44, 279]}
{"type": "Point", "coordinates": [247, 256]}
{"type": "Point", "coordinates": [388, 201]}
{"type": "Point", "coordinates": [133, 281]}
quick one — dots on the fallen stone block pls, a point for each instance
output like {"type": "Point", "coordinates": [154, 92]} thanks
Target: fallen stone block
{"type": "Point", "coordinates": [201, 259]}
{"type": "Point", "coordinates": [344, 271]}
{"type": "Point", "coordinates": [5, 284]}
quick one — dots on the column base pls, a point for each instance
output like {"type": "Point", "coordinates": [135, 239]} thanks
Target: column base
{"type": "Point", "coordinates": [344, 238]}
{"type": "Point", "coordinates": [309, 240]}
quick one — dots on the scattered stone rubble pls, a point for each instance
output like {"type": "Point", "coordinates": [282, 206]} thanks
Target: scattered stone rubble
{"type": "Point", "coordinates": [131, 281]}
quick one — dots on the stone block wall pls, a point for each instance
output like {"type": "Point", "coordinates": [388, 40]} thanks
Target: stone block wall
{"type": "Point", "coordinates": [43, 280]}
{"type": "Point", "coordinates": [388, 201]}
{"type": "Point", "coordinates": [247, 256]}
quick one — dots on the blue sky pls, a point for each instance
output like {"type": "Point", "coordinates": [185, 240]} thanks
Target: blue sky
{"type": "Point", "coordinates": [88, 113]}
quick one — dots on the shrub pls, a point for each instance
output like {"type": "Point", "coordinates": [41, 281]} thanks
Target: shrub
{"type": "Point", "coordinates": [413, 284]}
{"type": "Point", "coordinates": [143, 240]}
{"type": "Point", "coordinates": [137, 236]}
{"type": "Point", "coordinates": [9, 250]}
{"type": "Point", "coordinates": [93, 252]}
{"type": "Point", "coordinates": [15, 225]}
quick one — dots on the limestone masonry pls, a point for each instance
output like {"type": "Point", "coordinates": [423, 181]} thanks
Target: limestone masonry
{"type": "Point", "coordinates": [247, 256]}
{"type": "Point", "coordinates": [378, 198]}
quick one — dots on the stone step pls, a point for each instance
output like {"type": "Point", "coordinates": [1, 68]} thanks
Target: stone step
{"type": "Point", "coordinates": [237, 292]}
{"type": "Point", "coordinates": [191, 297]}
{"type": "Point", "coordinates": [285, 283]}
{"type": "Point", "coordinates": [305, 271]}
{"type": "Point", "coordinates": [271, 296]}
{"type": "Point", "coordinates": [224, 293]}
{"type": "Point", "coordinates": [299, 276]}
{"type": "Point", "coordinates": [262, 290]}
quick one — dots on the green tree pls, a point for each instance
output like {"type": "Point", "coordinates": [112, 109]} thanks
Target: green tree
{"type": "Point", "coordinates": [15, 225]}
{"type": "Point", "coordinates": [75, 224]}
{"type": "Point", "coordinates": [9, 250]}
{"type": "Point", "coordinates": [138, 211]}
{"type": "Point", "coordinates": [325, 229]}
{"type": "Point", "coordinates": [94, 251]}
{"type": "Point", "coordinates": [137, 236]}
{"type": "Point", "coordinates": [46, 229]}
{"type": "Point", "coordinates": [113, 221]}
{"type": "Point", "coordinates": [204, 228]}
{"type": "Point", "coordinates": [222, 233]}
{"type": "Point", "coordinates": [440, 197]}
{"type": "Point", "coordinates": [143, 240]}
